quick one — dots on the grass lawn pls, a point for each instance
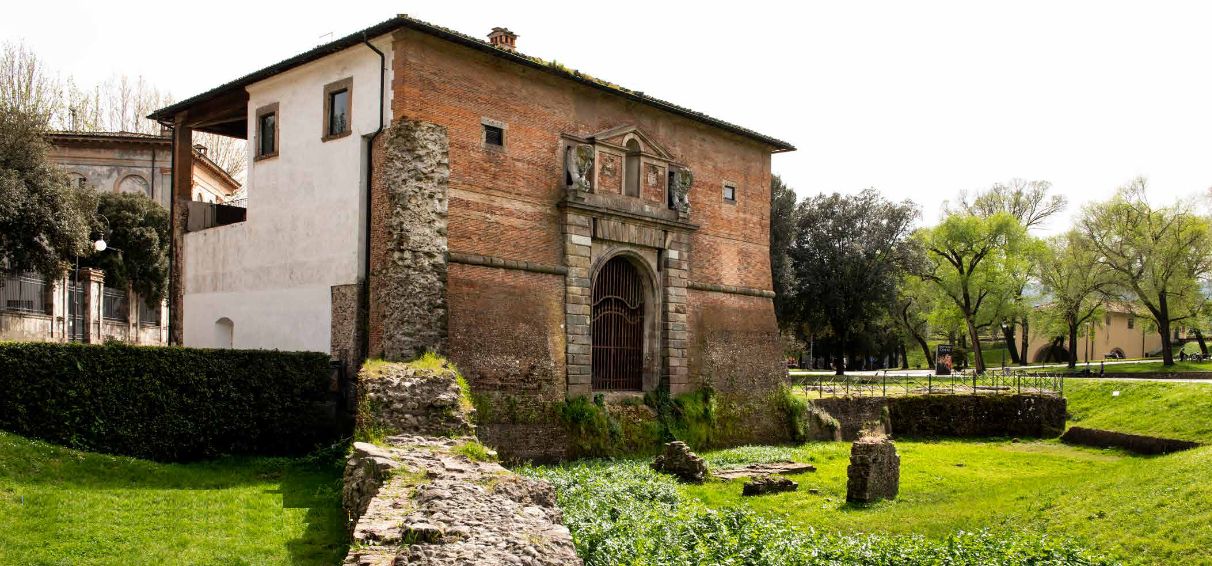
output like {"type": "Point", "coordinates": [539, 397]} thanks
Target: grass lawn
{"type": "Point", "coordinates": [1171, 410]}
{"type": "Point", "coordinates": [1133, 509]}
{"type": "Point", "coordinates": [1151, 367]}
{"type": "Point", "coordinates": [62, 506]}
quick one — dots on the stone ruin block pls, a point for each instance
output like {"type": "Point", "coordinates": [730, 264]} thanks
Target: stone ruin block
{"type": "Point", "coordinates": [763, 485]}
{"type": "Point", "coordinates": [875, 470]}
{"type": "Point", "coordinates": [681, 462]}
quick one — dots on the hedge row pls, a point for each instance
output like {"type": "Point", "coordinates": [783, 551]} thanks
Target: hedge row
{"type": "Point", "coordinates": [167, 404]}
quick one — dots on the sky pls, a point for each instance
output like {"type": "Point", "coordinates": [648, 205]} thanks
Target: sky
{"type": "Point", "coordinates": [918, 99]}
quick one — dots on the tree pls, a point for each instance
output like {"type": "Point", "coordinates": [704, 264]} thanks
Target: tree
{"type": "Point", "coordinates": [911, 308]}
{"type": "Point", "coordinates": [1159, 254]}
{"type": "Point", "coordinates": [846, 257]}
{"type": "Point", "coordinates": [782, 233]}
{"type": "Point", "coordinates": [136, 228]}
{"type": "Point", "coordinates": [44, 217]}
{"type": "Point", "coordinates": [1030, 203]}
{"type": "Point", "coordinates": [1075, 280]}
{"type": "Point", "coordinates": [118, 104]}
{"type": "Point", "coordinates": [976, 263]}
{"type": "Point", "coordinates": [26, 85]}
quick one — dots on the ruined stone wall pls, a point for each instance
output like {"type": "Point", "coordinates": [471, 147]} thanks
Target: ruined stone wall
{"type": "Point", "coordinates": [949, 415]}
{"type": "Point", "coordinates": [430, 493]}
{"type": "Point", "coordinates": [408, 255]}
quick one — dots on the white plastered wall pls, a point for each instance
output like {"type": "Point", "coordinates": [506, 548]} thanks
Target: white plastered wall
{"type": "Point", "coordinates": [272, 274]}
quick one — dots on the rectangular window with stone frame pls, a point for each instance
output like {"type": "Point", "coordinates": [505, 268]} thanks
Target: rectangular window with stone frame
{"type": "Point", "coordinates": [730, 193]}
{"type": "Point", "coordinates": [338, 109]}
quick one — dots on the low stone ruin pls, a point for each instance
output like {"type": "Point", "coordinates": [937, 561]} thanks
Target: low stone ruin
{"type": "Point", "coordinates": [418, 498]}
{"type": "Point", "coordinates": [763, 485]}
{"type": "Point", "coordinates": [679, 461]}
{"type": "Point", "coordinates": [874, 471]}
{"type": "Point", "coordinates": [402, 399]}
{"type": "Point", "coordinates": [785, 467]}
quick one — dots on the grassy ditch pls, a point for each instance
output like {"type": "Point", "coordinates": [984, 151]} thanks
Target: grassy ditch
{"type": "Point", "coordinates": [62, 506]}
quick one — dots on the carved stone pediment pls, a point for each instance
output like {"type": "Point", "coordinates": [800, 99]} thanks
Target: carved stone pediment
{"type": "Point", "coordinates": [625, 169]}
{"type": "Point", "coordinates": [618, 138]}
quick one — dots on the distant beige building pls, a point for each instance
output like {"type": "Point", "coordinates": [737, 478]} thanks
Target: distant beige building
{"type": "Point", "coordinates": [1121, 331]}
{"type": "Point", "coordinates": [127, 162]}
{"type": "Point", "coordinates": [82, 308]}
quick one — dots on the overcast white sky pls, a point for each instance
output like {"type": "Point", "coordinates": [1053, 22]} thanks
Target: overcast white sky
{"type": "Point", "coordinates": [917, 99]}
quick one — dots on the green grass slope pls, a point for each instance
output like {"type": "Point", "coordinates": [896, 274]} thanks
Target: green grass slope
{"type": "Point", "coordinates": [1170, 410]}
{"type": "Point", "coordinates": [61, 506]}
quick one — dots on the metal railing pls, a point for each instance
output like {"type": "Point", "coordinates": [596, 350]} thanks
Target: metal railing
{"type": "Point", "coordinates": [149, 314]}
{"type": "Point", "coordinates": [238, 202]}
{"type": "Point", "coordinates": [25, 293]}
{"type": "Point", "coordinates": [887, 384]}
{"type": "Point", "coordinates": [115, 305]}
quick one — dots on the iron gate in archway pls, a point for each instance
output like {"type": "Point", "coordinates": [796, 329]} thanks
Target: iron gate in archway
{"type": "Point", "coordinates": [617, 327]}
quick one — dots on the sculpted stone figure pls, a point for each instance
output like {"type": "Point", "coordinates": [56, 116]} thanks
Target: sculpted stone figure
{"type": "Point", "coordinates": [680, 190]}
{"type": "Point", "coordinates": [578, 164]}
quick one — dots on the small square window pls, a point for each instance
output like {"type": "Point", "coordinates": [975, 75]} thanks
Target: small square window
{"type": "Point", "coordinates": [730, 193]}
{"type": "Point", "coordinates": [494, 135]}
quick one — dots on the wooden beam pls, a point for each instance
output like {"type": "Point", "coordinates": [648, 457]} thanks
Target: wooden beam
{"type": "Point", "coordinates": [182, 193]}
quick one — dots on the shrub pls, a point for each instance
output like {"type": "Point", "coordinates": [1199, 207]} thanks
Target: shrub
{"type": "Point", "coordinates": [167, 403]}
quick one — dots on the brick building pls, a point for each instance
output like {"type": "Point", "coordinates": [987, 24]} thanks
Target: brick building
{"type": "Point", "coordinates": [556, 235]}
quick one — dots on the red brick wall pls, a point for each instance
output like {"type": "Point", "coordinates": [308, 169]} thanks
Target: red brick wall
{"type": "Point", "coordinates": [503, 202]}
{"type": "Point", "coordinates": [504, 329]}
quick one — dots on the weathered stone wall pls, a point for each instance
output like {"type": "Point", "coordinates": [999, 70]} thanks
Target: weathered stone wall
{"type": "Point", "coordinates": [855, 414]}
{"type": "Point", "coordinates": [437, 500]}
{"type": "Point", "coordinates": [401, 399]}
{"type": "Point", "coordinates": [949, 415]}
{"type": "Point", "coordinates": [408, 254]}
{"type": "Point", "coordinates": [875, 470]}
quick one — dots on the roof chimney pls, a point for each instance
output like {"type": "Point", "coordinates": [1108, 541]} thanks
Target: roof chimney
{"type": "Point", "coordinates": [502, 38]}
{"type": "Point", "coordinates": [201, 149]}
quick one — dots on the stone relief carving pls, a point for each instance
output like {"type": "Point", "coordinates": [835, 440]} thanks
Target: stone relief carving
{"type": "Point", "coordinates": [679, 190]}
{"type": "Point", "coordinates": [578, 164]}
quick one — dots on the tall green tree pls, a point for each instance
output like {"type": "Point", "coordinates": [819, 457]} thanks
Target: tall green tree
{"type": "Point", "coordinates": [1076, 282]}
{"type": "Point", "coordinates": [1032, 204]}
{"type": "Point", "coordinates": [44, 217]}
{"type": "Point", "coordinates": [911, 308]}
{"type": "Point", "coordinates": [976, 263]}
{"type": "Point", "coordinates": [782, 233]}
{"type": "Point", "coordinates": [846, 257]}
{"type": "Point", "coordinates": [136, 229]}
{"type": "Point", "coordinates": [1159, 254]}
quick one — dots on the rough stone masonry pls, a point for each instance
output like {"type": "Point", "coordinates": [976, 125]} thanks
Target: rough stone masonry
{"type": "Point", "coordinates": [875, 470]}
{"type": "Point", "coordinates": [418, 498]}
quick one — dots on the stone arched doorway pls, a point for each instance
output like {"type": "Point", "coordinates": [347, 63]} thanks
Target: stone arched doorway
{"type": "Point", "coordinates": [617, 326]}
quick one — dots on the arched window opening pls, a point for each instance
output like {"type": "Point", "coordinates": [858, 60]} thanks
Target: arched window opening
{"type": "Point", "coordinates": [617, 327]}
{"type": "Point", "coordinates": [225, 331]}
{"type": "Point", "coordinates": [631, 176]}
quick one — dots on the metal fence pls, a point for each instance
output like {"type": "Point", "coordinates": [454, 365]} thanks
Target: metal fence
{"type": "Point", "coordinates": [115, 305]}
{"type": "Point", "coordinates": [149, 313]}
{"type": "Point", "coordinates": [26, 293]}
{"type": "Point", "coordinates": [886, 384]}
